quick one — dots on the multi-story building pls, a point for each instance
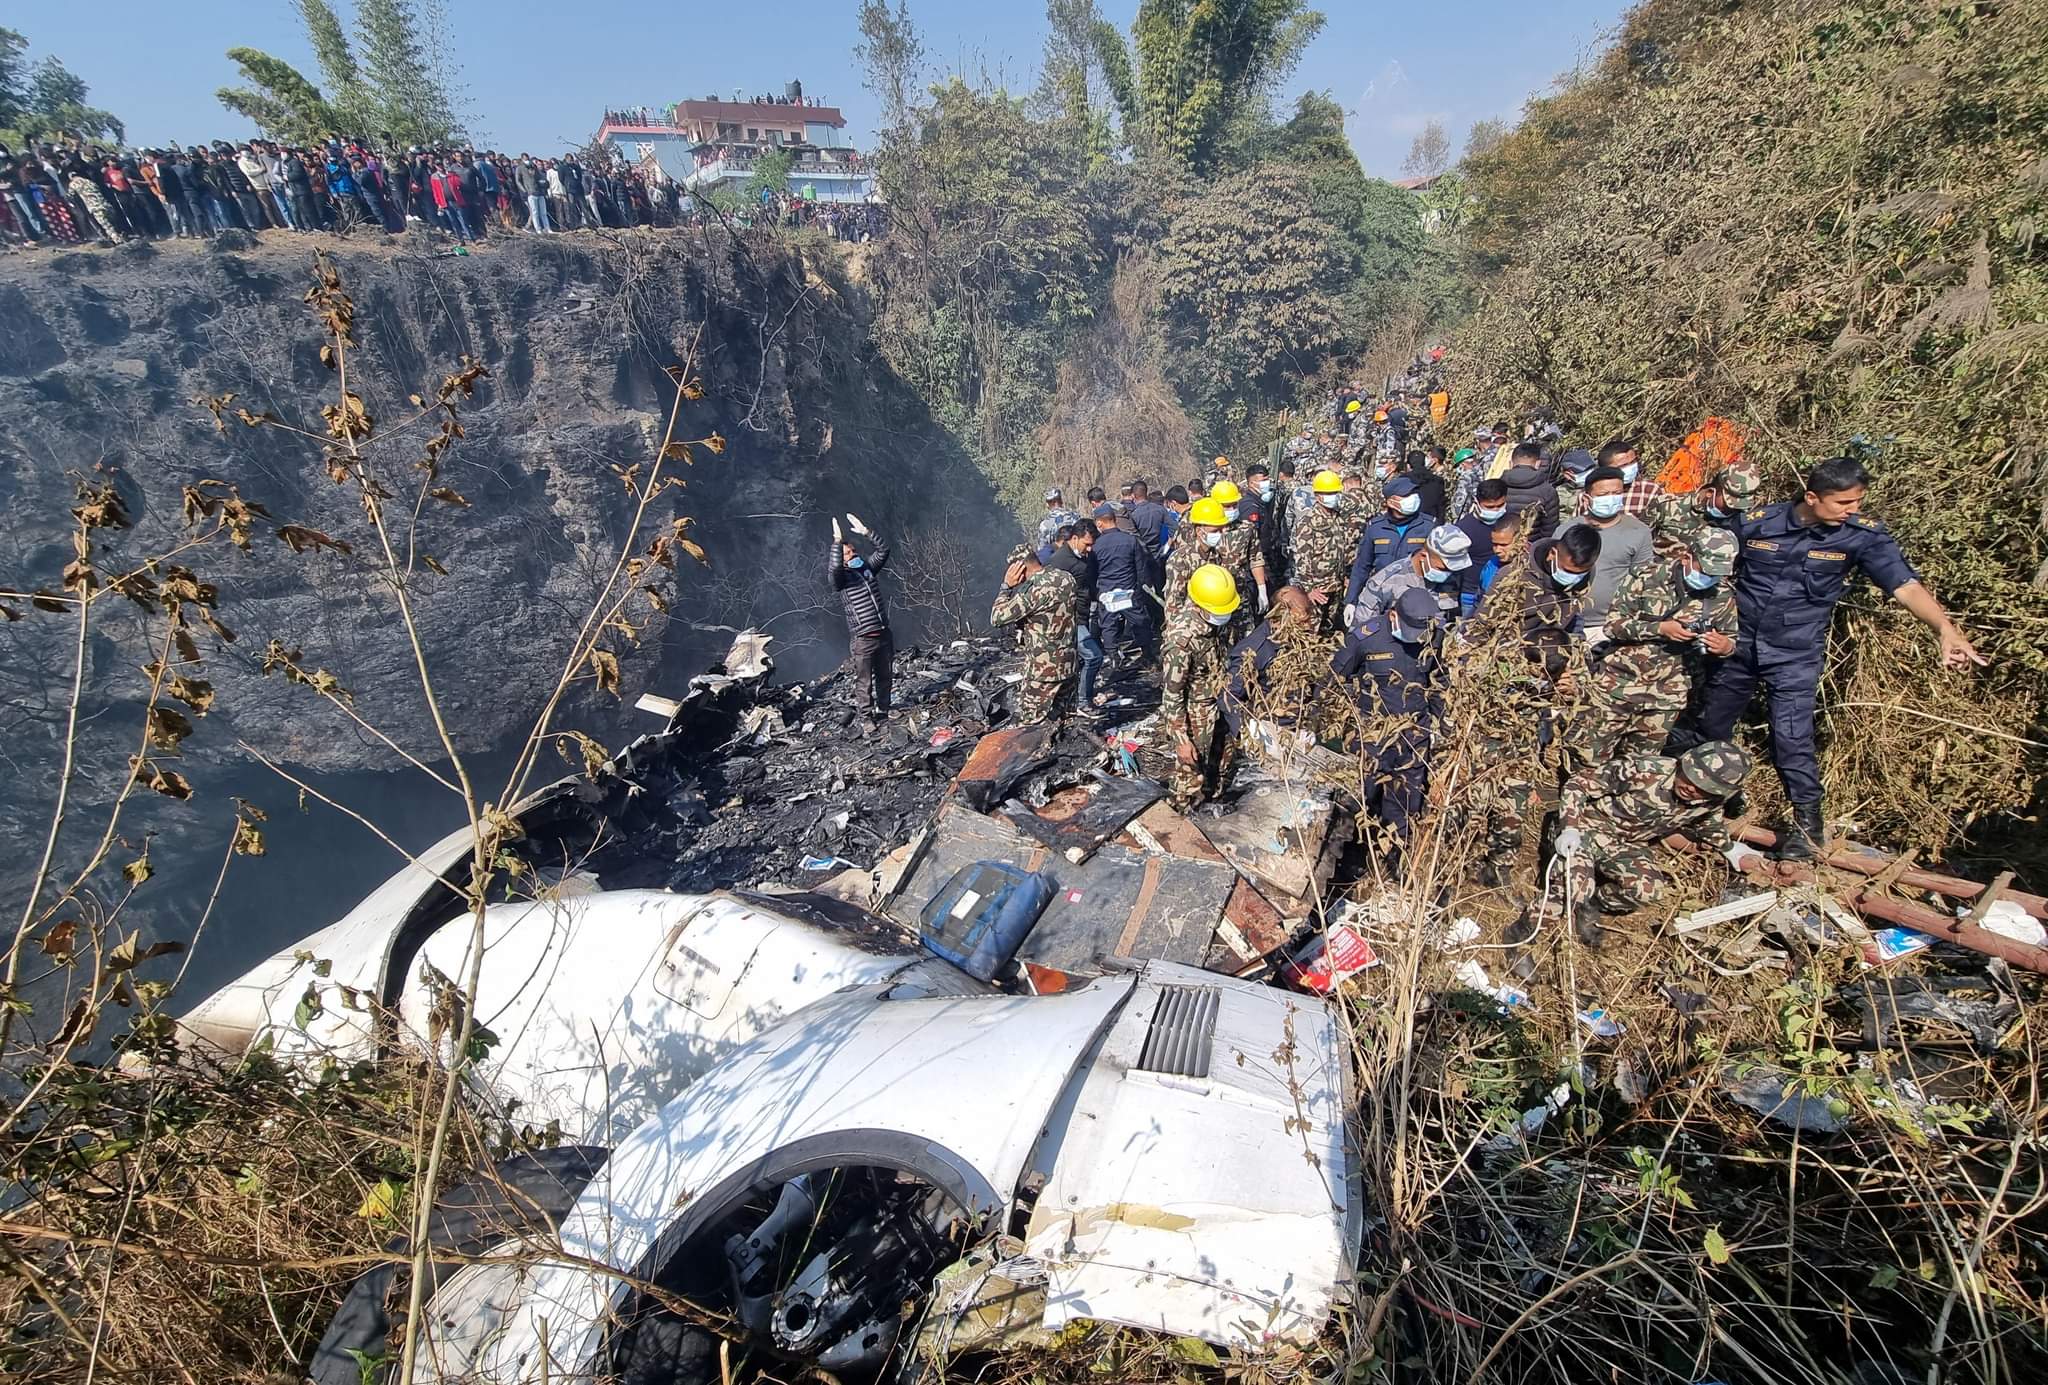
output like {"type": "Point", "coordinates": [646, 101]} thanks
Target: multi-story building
{"type": "Point", "coordinates": [711, 143]}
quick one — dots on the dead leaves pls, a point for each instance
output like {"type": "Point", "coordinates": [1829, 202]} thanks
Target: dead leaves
{"type": "Point", "coordinates": [61, 940]}
{"type": "Point", "coordinates": [592, 753]}
{"type": "Point", "coordinates": [166, 729]}
{"type": "Point", "coordinates": [299, 539]}
{"type": "Point", "coordinates": [348, 421]}
{"type": "Point", "coordinates": [151, 775]}
{"type": "Point", "coordinates": [605, 665]}
{"type": "Point", "coordinates": [448, 497]}
{"type": "Point", "coordinates": [278, 659]}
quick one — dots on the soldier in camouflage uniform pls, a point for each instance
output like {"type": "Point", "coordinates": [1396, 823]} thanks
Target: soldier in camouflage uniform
{"type": "Point", "coordinates": [1041, 601]}
{"type": "Point", "coordinates": [1057, 517]}
{"type": "Point", "coordinates": [1324, 543]}
{"type": "Point", "coordinates": [1667, 621]}
{"type": "Point", "coordinates": [1613, 816]}
{"type": "Point", "coordinates": [1194, 666]}
{"type": "Point", "coordinates": [1720, 503]}
{"type": "Point", "coordinates": [1235, 549]}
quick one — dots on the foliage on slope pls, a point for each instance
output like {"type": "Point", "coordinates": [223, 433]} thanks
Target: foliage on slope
{"type": "Point", "coordinates": [1820, 221]}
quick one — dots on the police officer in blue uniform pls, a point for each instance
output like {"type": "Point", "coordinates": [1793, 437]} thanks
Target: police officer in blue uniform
{"type": "Point", "coordinates": [1393, 660]}
{"type": "Point", "coordinates": [1796, 561]}
{"type": "Point", "coordinates": [1392, 538]}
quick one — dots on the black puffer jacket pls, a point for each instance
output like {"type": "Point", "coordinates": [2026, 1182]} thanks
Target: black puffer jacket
{"type": "Point", "coordinates": [1529, 489]}
{"type": "Point", "coordinates": [859, 591]}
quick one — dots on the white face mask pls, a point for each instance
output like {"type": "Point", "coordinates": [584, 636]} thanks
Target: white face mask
{"type": "Point", "coordinates": [1230, 513]}
{"type": "Point", "coordinates": [1331, 502]}
{"type": "Point", "coordinates": [1407, 504]}
{"type": "Point", "coordinates": [1215, 619]}
{"type": "Point", "coordinates": [1490, 513]}
{"type": "Point", "coordinates": [1629, 472]}
{"type": "Point", "coordinates": [1605, 506]}
{"type": "Point", "coordinates": [1266, 491]}
{"type": "Point", "coordinates": [1213, 539]}
{"type": "Point", "coordinates": [1436, 574]}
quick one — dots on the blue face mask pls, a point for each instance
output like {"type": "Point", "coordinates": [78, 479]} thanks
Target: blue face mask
{"type": "Point", "coordinates": [1717, 512]}
{"type": "Point", "coordinates": [1215, 619]}
{"type": "Point", "coordinates": [1230, 513]}
{"type": "Point", "coordinates": [1629, 472]}
{"type": "Point", "coordinates": [1331, 502]}
{"type": "Point", "coordinates": [1407, 504]}
{"type": "Point", "coordinates": [1701, 581]}
{"type": "Point", "coordinates": [1605, 506]}
{"type": "Point", "coordinates": [1266, 491]}
{"type": "Point", "coordinates": [1490, 513]}
{"type": "Point", "coordinates": [1567, 579]}
{"type": "Point", "coordinates": [856, 562]}
{"type": "Point", "coordinates": [1437, 574]}
{"type": "Point", "coordinates": [1212, 538]}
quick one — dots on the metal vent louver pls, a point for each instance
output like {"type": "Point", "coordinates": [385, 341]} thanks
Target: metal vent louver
{"type": "Point", "coordinates": [1183, 1031]}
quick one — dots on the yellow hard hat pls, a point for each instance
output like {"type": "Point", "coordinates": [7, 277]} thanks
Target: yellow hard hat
{"type": "Point", "coordinates": [1354, 406]}
{"type": "Point", "coordinates": [1224, 493]}
{"type": "Point", "coordinates": [1327, 483]}
{"type": "Point", "coordinates": [1214, 590]}
{"type": "Point", "coordinates": [1207, 510]}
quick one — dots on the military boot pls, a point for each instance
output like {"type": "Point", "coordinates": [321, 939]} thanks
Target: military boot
{"type": "Point", "coordinates": [1802, 836]}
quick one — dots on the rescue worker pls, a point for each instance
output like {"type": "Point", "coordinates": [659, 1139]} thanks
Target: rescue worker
{"type": "Point", "coordinates": [1057, 517]}
{"type": "Point", "coordinates": [1436, 569]}
{"type": "Point", "coordinates": [1796, 561]}
{"type": "Point", "coordinates": [1265, 510]}
{"type": "Point", "coordinates": [871, 649]}
{"type": "Point", "coordinates": [1193, 669]}
{"type": "Point", "coordinates": [1324, 543]}
{"type": "Point", "coordinates": [1392, 663]}
{"type": "Point", "coordinates": [1669, 621]}
{"type": "Point", "coordinates": [1396, 534]}
{"type": "Point", "coordinates": [1613, 815]}
{"type": "Point", "coordinates": [1040, 601]}
{"type": "Point", "coordinates": [1211, 538]}
{"type": "Point", "coordinates": [1239, 552]}
{"type": "Point", "coordinates": [1122, 571]}
{"type": "Point", "coordinates": [1524, 632]}
{"type": "Point", "coordinates": [1719, 503]}
{"type": "Point", "coordinates": [1074, 553]}
{"type": "Point", "coordinates": [1148, 516]}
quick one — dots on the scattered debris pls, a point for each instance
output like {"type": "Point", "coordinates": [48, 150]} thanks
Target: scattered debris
{"type": "Point", "coordinates": [1777, 1096]}
{"type": "Point", "coordinates": [1328, 960]}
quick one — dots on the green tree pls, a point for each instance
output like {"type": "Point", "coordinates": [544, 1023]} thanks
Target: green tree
{"type": "Point", "coordinates": [338, 67]}
{"type": "Point", "coordinates": [1247, 280]}
{"type": "Point", "coordinates": [771, 176]}
{"type": "Point", "coordinates": [51, 103]}
{"type": "Point", "coordinates": [279, 99]}
{"type": "Point", "coordinates": [410, 101]}
{"type": "Point", "coordinates": [1202, 64]}
{"type": "Point", "coordinates": [892, 54]}
{"type": "Point", "coordinates": [1073, 87]}
{"type": "Point", "coordinates": [13, 78]}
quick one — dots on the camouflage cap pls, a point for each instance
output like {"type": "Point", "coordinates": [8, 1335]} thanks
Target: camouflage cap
{"type": "Point", "coordinates": [1713, 549]}
{"type": "Point", "coordinates": [1717, 768]}
{"type": "Point", "coordinates": [1021, 553]}
{"type": "Point", "coordinates": [1738, 480]}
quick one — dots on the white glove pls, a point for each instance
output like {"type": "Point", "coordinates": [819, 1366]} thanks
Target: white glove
{"type": "Point", "coordinates": [1742, 856]}
{"type": "Point", "coordinates": [853, 523]}
{"type": "Point", "coordinates": [1350, 610]}
{"type": "Point", "coordinates": [1262, 598]}
{"type": "Point", "coordinates": [1569, 842]}
{"type": "Point", "coordinates": [837, 535]}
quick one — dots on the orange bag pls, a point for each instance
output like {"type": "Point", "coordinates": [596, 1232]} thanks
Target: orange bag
{"type": "Point", "coordinates": [1708, 448]}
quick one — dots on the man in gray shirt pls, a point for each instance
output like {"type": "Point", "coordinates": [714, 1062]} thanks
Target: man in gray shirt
{"type": "Point", "coordinates": [1625, 543]}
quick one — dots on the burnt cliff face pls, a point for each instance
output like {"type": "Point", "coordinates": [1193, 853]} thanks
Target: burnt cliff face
{"type": "Point", "coordinates": [104, 353]}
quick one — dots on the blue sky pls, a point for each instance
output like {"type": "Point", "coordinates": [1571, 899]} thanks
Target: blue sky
{"type": "Point", "coordinates": [538, 75]}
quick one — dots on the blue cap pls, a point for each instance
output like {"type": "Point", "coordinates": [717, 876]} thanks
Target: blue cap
{"type": "Point", "coordinates": [1400, 485]}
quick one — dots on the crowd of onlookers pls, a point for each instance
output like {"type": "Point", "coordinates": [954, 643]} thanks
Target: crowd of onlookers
{"type": "Point", "coordinates": [86, 194]}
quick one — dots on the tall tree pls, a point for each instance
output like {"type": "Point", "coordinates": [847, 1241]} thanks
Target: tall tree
{"type": "Point", "coordinates": [894, 57]}
{"type": "Point", "coordinates": [1430, 154]}
{"type": "Point", "coordinates": [1201, 64]}
{"type": "Point", "coordinates": [410, 103]}
{"type": "Point", "coordinates": [1484, 137]}
{"type": "Point", "coordinates": [52, 101]}
{"type": "Point", "coordinates": [338, 67]}
{"type": "Point", "coordinates": [13, 78]}
{"type": "Point", "coordinates": [279, 99]}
